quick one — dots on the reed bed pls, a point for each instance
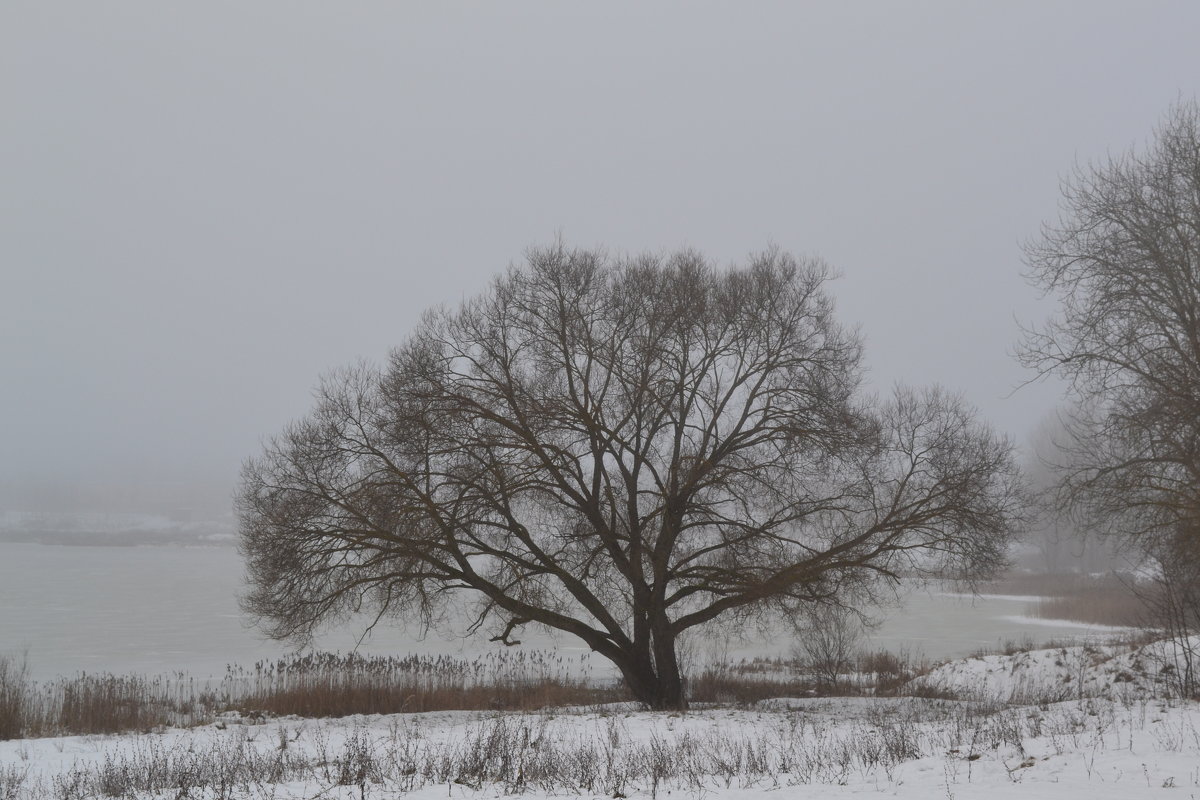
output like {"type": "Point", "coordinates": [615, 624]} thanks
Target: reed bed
{"type": "Point", "coordinates": [309, 685]}
{"type": "Point", "coordinates": [330, 684]}
{"type": "Point", "coordinates": [1110, 599]}
{"type": "Point", "coordinates": [315, 685]}
{"type": "Point", "coordinates": [1099, 605]}
{"type": "Point", "coordinates": [96, 704]}
{"type": "Point", "coordinates": [13, 698]}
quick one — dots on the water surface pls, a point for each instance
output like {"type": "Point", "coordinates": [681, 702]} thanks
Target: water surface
{"type": "Point", "coordinates": [161, 609]}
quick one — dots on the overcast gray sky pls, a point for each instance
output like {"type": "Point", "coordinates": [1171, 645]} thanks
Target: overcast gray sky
{"type": "Point", "coordinates": [205, 206]}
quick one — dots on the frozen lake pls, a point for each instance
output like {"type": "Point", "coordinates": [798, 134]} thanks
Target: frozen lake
{"type": "Point", "coordinates": [161, 609]}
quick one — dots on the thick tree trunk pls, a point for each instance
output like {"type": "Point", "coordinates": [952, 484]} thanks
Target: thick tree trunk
{"type": "Point", "coordinates": [657, 683]}
{"type": "Point", "coordinates": [670, 681]}
{"type": "Point", "coordinates": [658, 692]}
{"type": "Point", "coordinates": [668, 693]}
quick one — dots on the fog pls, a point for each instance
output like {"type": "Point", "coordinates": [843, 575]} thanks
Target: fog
{"type": "Point", "coordinates": [204, 207]}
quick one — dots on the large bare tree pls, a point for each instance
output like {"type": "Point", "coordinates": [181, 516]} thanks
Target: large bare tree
{"type": "Point", "coordinates": [621, 450]}
{"type": "Point", "coordinates": [1123, 259]}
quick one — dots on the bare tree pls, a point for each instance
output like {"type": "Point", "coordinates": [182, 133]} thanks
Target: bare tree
{"type": "Point", "coordinates": [1124, 261]}
{"type": "Point", "coordinates": [827, 638]}
{"type": "Point", "coordinates": [621, 450]}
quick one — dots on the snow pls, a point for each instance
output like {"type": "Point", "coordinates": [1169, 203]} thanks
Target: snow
{"type": "Point", "coordinates": [1094, 722]}
{"type": "Point", "coordinates": [1101, 750]}
{"type": "Point", "coordinates": [1062, 673]}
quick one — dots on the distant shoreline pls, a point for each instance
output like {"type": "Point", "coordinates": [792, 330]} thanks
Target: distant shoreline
{"type": "Point", "coordinates": [121, 538]}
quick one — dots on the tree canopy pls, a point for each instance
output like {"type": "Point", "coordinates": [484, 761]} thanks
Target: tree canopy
{"type": "Point", "coordinates": [1123, 259]}
{"type": "Point", "coordinates": [620, 449]}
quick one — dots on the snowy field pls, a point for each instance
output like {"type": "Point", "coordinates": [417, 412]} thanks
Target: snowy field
{"type": "Point", "coordinates": [1084, 722]}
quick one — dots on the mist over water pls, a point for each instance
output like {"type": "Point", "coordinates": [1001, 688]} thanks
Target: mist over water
{"type": "Point", "coordinates": [163, 609]}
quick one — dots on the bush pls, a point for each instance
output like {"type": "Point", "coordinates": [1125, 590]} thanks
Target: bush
{"type": "Point", "coordinates": [828, 637]}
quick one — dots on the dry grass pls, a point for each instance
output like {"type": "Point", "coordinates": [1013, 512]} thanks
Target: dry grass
{"type": "Point", "coordinates": [1099, 606]}
{"type": "Point", "coordinates": [1008, 647]}
{"type": "Point", "coordinates": [1110, 599]}
{"type": "Point", "coordinates": [511, 754]}
{"type": "Point", "coordinates": [313, 685]}
{"type": "Point", "coordinates": [331, 685]}
{"type": "Point", "coordinates": [14, 698]}
{"type": "Point", "coordinates": [726, 685]}
{"type": "Point", "coordinates": [1123, 640]}
{"type": "Point", "coordinates": [90, 704]}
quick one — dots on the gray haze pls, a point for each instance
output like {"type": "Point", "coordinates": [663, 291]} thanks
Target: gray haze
{"type": "Point", "coordinates": [205, 206]}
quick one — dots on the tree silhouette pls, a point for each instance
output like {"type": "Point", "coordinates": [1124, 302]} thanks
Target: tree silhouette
{"type": "Point", "coordinates": [621, 450]}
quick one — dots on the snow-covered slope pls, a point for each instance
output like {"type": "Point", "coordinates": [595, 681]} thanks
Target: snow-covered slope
{"type": "Point", "coordinates": [1062, 673]}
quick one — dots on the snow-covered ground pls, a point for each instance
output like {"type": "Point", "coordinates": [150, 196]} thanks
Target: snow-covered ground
{"type": "Point", "coordinates": [1116, 737]}
{"type": "Point", "coordinates": [1120, 672]}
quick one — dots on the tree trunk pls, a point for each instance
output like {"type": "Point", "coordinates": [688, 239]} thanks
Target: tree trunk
{"type": "Point", "coordinates": [668, 693]}
{"type": "Point", "coordinates": [670, 681]}
{"type": "Point", "coordinates": [656, 684]}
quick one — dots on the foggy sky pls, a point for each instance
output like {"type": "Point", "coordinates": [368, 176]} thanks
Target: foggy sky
{"type": "Point", "coordinates": [205, 206]}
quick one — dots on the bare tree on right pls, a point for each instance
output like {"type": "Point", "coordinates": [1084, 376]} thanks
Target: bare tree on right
{"type": "Point", "coordinates": [1123, 259]}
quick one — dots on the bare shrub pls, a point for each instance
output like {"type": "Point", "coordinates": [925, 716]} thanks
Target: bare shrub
{"type": "Point", "coordinates": [1174, 608]}
{"type": "Point", "coordinates": [887, 673]}
{"type": "Point", "coordinates": [828, 639]}
{"type": "Point", "coordinates": [12, 781]}
{"type": "Point", "coordinates": [222, 768]}
{"type": "Point", "coordinates": [882, 662]}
